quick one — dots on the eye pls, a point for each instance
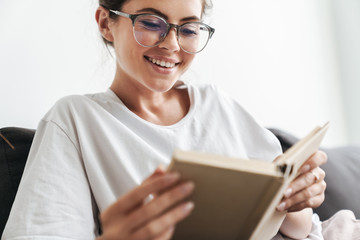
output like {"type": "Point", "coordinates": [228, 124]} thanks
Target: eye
{"type": "Point", "coordinates": [151, 23]}
{"type": "Point", "coordinates": [190, 30]}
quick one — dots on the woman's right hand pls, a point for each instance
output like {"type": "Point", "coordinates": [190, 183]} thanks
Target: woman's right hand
{"type": "Point", "coordinates": [131, 218]}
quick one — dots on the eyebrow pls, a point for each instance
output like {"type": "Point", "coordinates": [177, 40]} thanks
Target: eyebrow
{"type": "Point", "coordinates": [159, 13]}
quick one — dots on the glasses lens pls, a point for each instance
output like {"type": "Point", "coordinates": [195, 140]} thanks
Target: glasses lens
{"type": "Point", "coordinates": [149, 30]}
{"type": "Point", "coordinates": [193, 37]}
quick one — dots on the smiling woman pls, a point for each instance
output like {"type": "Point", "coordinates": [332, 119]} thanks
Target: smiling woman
{"type": "Point", "coordinates": [93, 168]}
{"type": "Point", "coordinates": [152, 70]}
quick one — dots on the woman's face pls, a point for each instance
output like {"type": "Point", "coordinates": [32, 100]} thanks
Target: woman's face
{"type": "Point", "coordinates": [135, 63]}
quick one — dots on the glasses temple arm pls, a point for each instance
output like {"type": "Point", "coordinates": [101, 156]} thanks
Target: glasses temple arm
{"type": "Point", "coordinates": [120, 13]}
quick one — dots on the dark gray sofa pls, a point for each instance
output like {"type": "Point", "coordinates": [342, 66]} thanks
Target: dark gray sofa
{"type": "Point", "coordinates": [342, 168]}
{"type": "Point", "coordinates": [12, 162]}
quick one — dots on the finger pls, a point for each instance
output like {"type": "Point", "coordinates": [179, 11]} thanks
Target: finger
{"type": "Point", "coordinates": [159, 205]}
{"type": "Point", "coordinates": [317, 159]}
{"type": "Point", "coordinates": [156, 227]}
{"type": "Point", "coordinates": [304, 197]}
{"type": "Point", "coordinates": [137, 195]}
{"type": "Point", "coordinates": [318, 173]}
{"type": "Point", "coordinates": [305, 180]}
{"type": "Point", "coordinates": [314, 202]}
{"type": "Point", "coordinates": [159, 171]}
{"type": "Point", "coordinates": [167, 234]}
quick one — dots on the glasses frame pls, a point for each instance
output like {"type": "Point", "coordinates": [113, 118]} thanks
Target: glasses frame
{"type": "Point", "coordinates": [133, 18]}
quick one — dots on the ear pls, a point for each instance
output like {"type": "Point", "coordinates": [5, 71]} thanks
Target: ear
{"type": "Point", "coordinates": [103, 21]}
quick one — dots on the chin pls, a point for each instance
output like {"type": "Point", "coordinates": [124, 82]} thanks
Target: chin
{"type": "Point", "coordinates": [162, 86]}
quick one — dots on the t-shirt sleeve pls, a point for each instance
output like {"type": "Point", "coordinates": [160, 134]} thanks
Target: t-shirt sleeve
{"type": "Point", "coordinates": [54, 200]}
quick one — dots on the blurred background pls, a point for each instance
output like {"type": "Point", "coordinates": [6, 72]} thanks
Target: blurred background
{"type": "Point", "coordinates": [293, 64]}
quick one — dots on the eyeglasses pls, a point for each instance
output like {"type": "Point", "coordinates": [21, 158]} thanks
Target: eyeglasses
{"type": "Point", "coordinates": [150, 30]}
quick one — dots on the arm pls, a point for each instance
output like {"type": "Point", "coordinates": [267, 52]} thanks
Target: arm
{"type": "Point", "coordinates": [297, 225]}
{"type": "Point", "coordinates": [307, 191]}
{"type": "Point", "coordinates": [54, 197]}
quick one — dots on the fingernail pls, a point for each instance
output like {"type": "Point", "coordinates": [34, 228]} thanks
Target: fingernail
{"type": "Point", "coordinates": [288, 192]}
{"type": "Point", "coordinates": [281, 206]}
{"type": "Point", "coordinates": [187, 187]}
{"type": "Point", "coordinates": [161, 168]}
{"type": "Point", "coordinates": [188, 206]}
{"type": "Point", "coordinates": [171, 229]}
{"type": "Point", "coordinates": [173, 176]}
{"type": "Point", "coordinates": [305, 168]}
{"type": "Point", "coordinates": [148, 199]}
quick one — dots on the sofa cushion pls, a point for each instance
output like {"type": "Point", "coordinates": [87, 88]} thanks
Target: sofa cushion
{"type": "Point", "coordinates": [12, 162]}
{"type": "Point", "coordinates": [342, 176]}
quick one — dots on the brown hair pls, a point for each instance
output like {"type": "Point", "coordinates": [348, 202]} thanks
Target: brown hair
{"type": "Point", "coordinates": [118, 4]}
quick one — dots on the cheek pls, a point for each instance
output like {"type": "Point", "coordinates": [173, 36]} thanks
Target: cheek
{"type": "Point", "coordinates": [189, 58]}
{"type": "Point", "coordinates": [122, 32]}
{"type": "Point", "coordinates": [129, 58]}
{"type": "Point", "coordinates": [126, 47]}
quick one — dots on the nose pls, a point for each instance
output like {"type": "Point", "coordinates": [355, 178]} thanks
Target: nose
{"type": "Point", "coordinates": [170, 42]}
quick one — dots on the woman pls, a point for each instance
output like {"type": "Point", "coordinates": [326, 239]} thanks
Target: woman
{"type": "Point", "coordinates": [92, 153]}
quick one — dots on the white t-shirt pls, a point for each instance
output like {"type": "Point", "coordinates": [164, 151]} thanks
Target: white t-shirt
{"type": "Point", "coordinates": [90, 150]}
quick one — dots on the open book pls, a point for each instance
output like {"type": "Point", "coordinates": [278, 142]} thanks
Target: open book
{"type": "Point", "coordinates": [237, 198]}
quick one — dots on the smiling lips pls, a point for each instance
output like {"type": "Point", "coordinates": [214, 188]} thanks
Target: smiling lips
{"type": "Point", "coordinates": [162, 63]}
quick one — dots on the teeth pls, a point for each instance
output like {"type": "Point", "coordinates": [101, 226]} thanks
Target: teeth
{"type": "Point", "coordinates": [162, 63]}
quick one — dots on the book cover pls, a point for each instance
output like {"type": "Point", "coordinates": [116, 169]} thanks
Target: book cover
{"type": "Point", "coordinates": [237, 198]}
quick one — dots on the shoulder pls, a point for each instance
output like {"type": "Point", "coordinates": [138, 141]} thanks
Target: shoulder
{"type": "Point", "coordinates": [72, 101]}
{"type": "Point", "coordinates": [74, 110]}
{"type": "Point", "coordinates": [212, 93]}
{"type": "Point", "coordinates": [208, 97]}
{"type": "Point", "coordinates": [74, 105]}
{"type": "Point", "coordinates": [63, 108]}
{"type": "Point", "coordinates": [203, 88]}
{"type": "Point", "coordinates": [219, 107]}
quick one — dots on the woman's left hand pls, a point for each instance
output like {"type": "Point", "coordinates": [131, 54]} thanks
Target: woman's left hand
{"type": "Point", "coordinates": [308, 189]}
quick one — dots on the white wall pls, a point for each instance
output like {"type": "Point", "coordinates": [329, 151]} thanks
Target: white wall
{"type": "Point", "coordinates": [278, 58]}
{"type": "Point", "coordinates": [48, 49]}
{"type": "Point", "coordinates": [347, 28]}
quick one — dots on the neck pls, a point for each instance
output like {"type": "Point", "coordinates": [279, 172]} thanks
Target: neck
{"type": "Point", "coordinates": [162, 108]}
